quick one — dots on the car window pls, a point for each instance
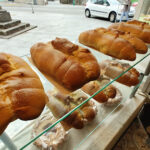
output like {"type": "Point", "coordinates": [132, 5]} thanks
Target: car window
{"type": "Point", "coordinates": [114, 2]}
{"type": "Point", "coordinates": [100, 2]}
{"type": "Point", "coordinates": [107, 3]}
{"type": "Point", "coordinates": [94, 1]}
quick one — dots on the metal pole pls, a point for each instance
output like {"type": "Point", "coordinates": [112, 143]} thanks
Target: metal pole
{"type": "Point", "coordinates": [35, 2]}
{"type": "Point", "coordinates": [146, 86]}
{"type": "Point", "coordinates": [32, 8]}
{"type": "Point", "coordinates": [7, 141]}
{"type": "Point", "coordinates": [137, 86]}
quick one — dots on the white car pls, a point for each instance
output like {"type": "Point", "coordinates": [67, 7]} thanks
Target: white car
{"type": "Point", "coordinates": [110, 9]}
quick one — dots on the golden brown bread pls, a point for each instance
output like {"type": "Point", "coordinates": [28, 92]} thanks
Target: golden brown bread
{"type": "Point", "coordinates": [108, 95]}
{"type": "Point", "coordinates": [139, 23]}
{"type": "Point", "coordinates": [103, 96]}
{"type": "Point", "coordinates": [69, 64]}
{"type": "Point", "coordinates": [113, 69]}
{"type": "Point", "coordinates": [138, 44]}
{"type": "Point", "coordinates": [108, 44]}
{"type": "Point", "coordinates": [60, 104]}
{"type": "Point", "coordinates": [21, 92]}
{"type": "Point", "coordinates": [134, 29]}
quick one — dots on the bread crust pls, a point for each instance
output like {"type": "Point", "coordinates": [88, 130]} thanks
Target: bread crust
{"type": "Point", "coordinates": [139, 23]}
{"type": "Point", "coordinates": [94, 86]}
{"type": "Point", "coordinates": [108, 44]}
{"type": "Point", "coordinates": [70, 64]}
{"type": "Point", "coordinates": [138, 44]}
{"type": "Point", "coordinates": [21, 92]}
{"type": "Point", "coordinates": [113, 69]}
{"type": "Point", "coordinates": [108, 96]}
{"type": "Point", "coordinates": [135, 28]}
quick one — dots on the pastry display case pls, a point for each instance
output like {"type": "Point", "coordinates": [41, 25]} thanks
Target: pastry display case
{"type": "Point", "coordinates": [101, 132]}
{"type": "Point", "coordinates": [89, 105]}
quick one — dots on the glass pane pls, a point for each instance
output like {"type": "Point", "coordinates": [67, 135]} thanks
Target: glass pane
{"type": "Point", "coordinates": [22, 134]}
{"type": "Point", "coordinates": [103, 111]}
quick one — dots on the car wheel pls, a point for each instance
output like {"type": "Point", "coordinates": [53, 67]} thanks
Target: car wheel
{"type": "Point", "coordinates": [87, 13]}
{"type": "Point", "coordinates": [112, 17]}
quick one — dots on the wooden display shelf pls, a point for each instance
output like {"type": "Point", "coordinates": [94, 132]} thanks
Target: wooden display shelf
{"type": "Point", "coordinates": [108, 133]}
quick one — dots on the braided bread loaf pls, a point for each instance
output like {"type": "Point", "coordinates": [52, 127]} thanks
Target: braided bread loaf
{"type": "Point", "coordinates": [21, 92]}
{"type": "Point", "coordinates": [135, 28]}
{"type": "Point", "coordinates": [138, 44]}
{"type": "Point", "coordinates": [70, 64]}
{"type": "Point", "coordinates": [108, 44]}
{"type": "Point", "coordinates": [103, 96]}
{"type": "Point", "coordinates": [109, 95]}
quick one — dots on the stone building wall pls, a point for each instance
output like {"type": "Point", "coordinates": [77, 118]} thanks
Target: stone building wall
{"type": "Point", "coordinates": [76, 2]}
{"type": "Point", "coordinates": [38, 2]}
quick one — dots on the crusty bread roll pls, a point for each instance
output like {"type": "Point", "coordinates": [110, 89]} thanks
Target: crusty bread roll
{"type": "Point", "coordinates": [138, 44]}
{"type": "Point", "coordinates": [108, 44]}
{"type": "Point", "coordinates": [68, 63]}
{"type": "Point", "coordinates": [60, 104]}
{"type": "Point", "coordinates": [134, 29]}
{"type": "Point", "coordinates": [113, 69]}
{"type": "Point", "coordinates": [94, 86]}
{"type": "Point", "coordinates": [21, 92]}
{"type": "Point", "coordinates": [109, 95]}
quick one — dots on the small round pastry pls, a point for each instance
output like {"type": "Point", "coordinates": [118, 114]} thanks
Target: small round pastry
{"type": "Point", "coordinates": [109, 96]}
{"type": "Point", "coordinates": [114, 100]}
{"type": "Point", "coordinates": [53, 138]}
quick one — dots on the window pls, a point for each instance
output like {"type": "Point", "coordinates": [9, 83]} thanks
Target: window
{"type": "Point", "coordinates": [94, 1]}
{"type": "Point", "coordinates": [107, 3]}
{"type": "Point", "coordinates": [114, 2]}
{"type": "Point", "coordinates": [100, 2]}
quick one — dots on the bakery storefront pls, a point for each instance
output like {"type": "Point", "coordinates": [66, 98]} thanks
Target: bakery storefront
{"type": "Point", "coordinates": [73, 101]}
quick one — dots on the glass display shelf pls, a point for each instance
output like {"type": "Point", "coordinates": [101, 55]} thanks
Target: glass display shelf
{"type": "Point", "coordinates": [21, 131]}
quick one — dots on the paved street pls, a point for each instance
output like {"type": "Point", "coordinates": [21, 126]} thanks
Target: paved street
{"type": "Point", "coordinates": [53, 20]}
{"type": "Point", "coordinates": [52, 7]}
